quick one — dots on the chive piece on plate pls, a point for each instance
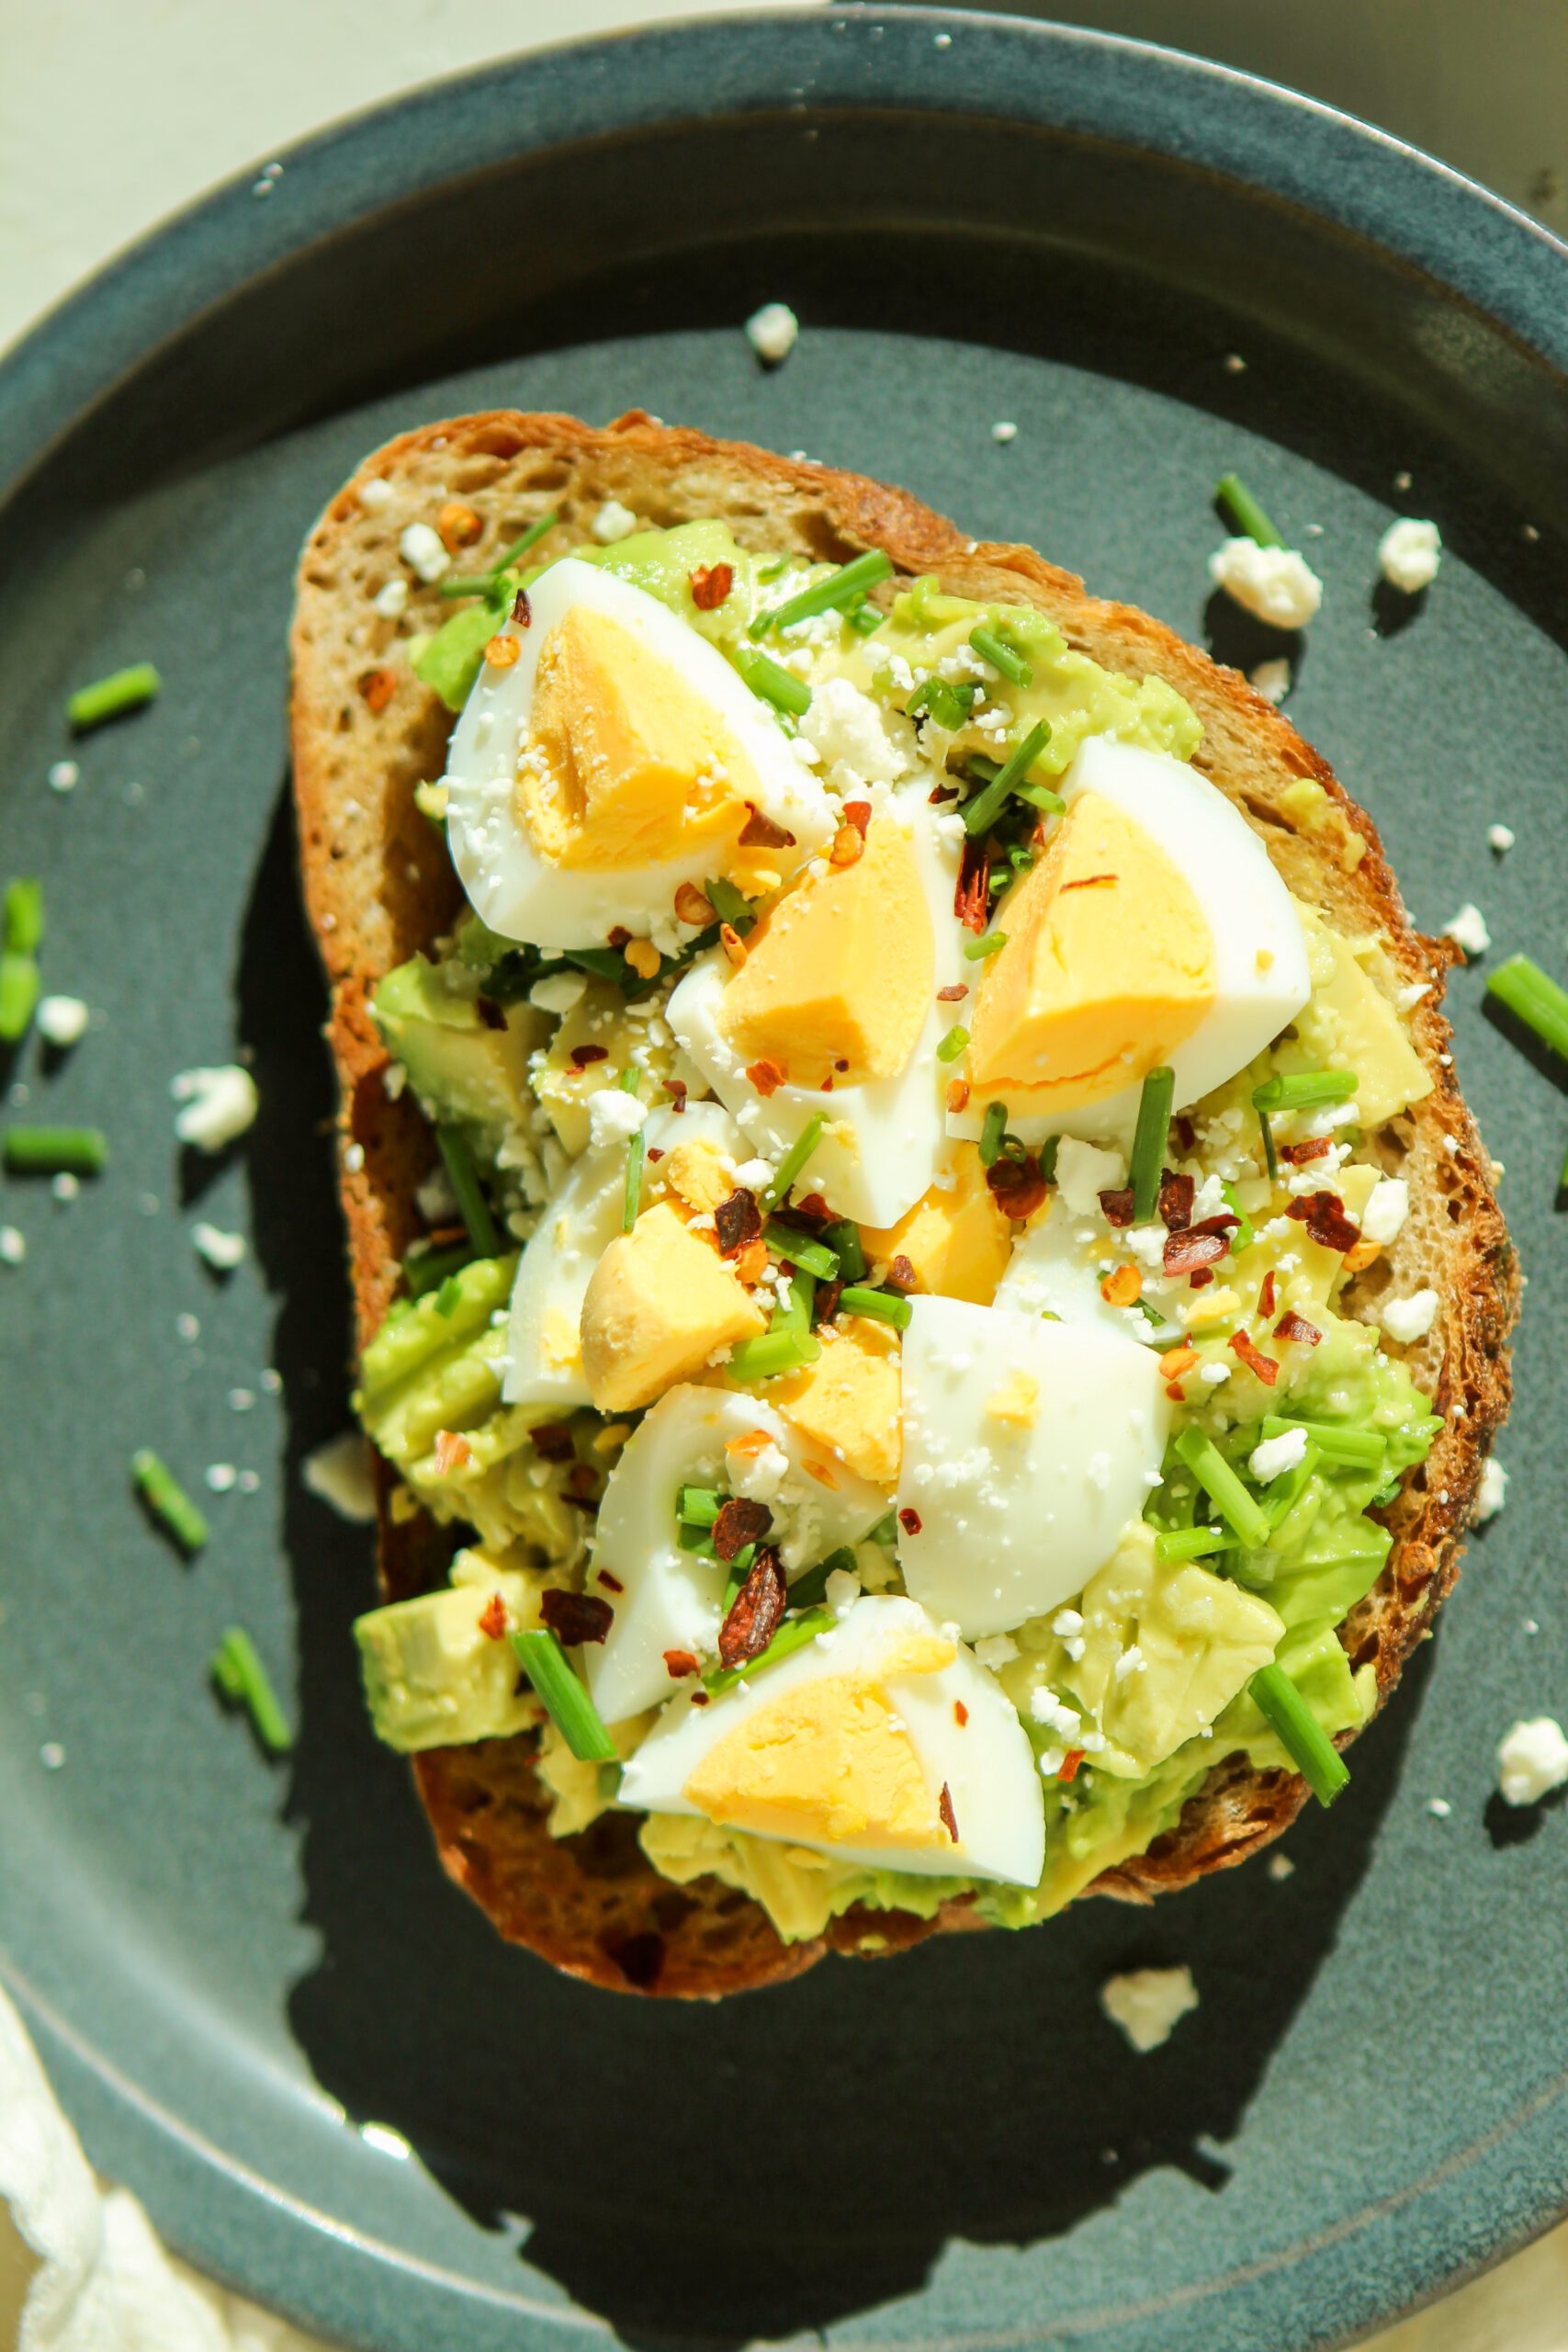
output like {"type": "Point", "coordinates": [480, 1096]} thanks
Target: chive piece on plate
{"type": "Point", "coordinates": [882, 1306]}
{"type": "Point", "coordinates": [800, 1250]}
{"type": "Point", "coordinates": [108, 697]}
{"type": "Point", "coordinates": [245, 1681]}
{"type": "Point", "coordinates": [19, 987]}
{"type": "Point", "coordinates": [953, 1045]}
{"type": "Point", "coordinates": [1239, 506]}
{"type": "Point", "coordinates": [472, 1205]}
{"type": "Point", "coordinates": [1305, 1090]}
{"type": "Point", "coordinates": [994, 649]}
{"type": "Point", "coordinates": [983, 809]}
{"type": "Point", "coordinates": [23, 919]}
{"type": "Point", "coordinates": [56, 1151]}
{"type": "Point", "coordinates": [562, 1694]}
{"type": "Point", "coordinates": [1150, 1140]}
{"type": "Point", "coordinates": [772, 682]}
{"type": "Point", "coordinates": [795, 1159]}
{"type": "Point", "coordinates": [167, 1500]}
{"type": "Point", "coordinates": [1239, 1509]}
{"type": "Point", "coordinates": [1319, 1762]}
{"type": "Point", "coordinates": [830, 595]}
{"type": "Point", "coordinates": [1533, 997]}
{"type": "Point", "coordinates": [993, 1129]}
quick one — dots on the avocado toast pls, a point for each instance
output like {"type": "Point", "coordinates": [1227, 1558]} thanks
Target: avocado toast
{"type": "Point", "coordinates": [1152, 1756]}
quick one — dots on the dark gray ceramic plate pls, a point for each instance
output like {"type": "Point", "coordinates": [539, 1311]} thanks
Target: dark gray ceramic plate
{"type": "Point", "coordinates": [232, 1971]}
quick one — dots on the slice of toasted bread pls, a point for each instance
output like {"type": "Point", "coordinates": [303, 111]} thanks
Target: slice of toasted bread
{"type": "Point", "coordinates": [378, 886]}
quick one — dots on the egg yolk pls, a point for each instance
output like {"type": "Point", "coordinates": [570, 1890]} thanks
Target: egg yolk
{"type": "Point", "coordinates": [837, 985]}
{"type": "Point", "coordinates": [626, 765]}
{"type": "Point", "coordinates": [830, 1764]}
{"type": "Point", "coordinates": [1109, 966]}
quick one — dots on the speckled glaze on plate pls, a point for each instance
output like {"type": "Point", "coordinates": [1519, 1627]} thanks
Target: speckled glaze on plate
{"type": "Point", "coordinates": [231, 1970]}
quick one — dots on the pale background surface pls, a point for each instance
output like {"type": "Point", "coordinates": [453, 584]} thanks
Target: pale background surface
{"type": "Point", "coordinates": [115, 112]}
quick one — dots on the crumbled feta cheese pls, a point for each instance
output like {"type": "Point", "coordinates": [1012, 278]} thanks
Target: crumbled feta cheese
{"type": "Point", "coordinates": [1275, 1455]}
{"type": "Point", "coordinates": [1132, 1661]}
{"type": "Point", "coordinates": [1469, 928]}
{"type": "Point", "coordinates": [339, 1474]}
{"type": "Point", "coordinates": [421, 549]}
{"type": "Point", "coordinates": [1281, 1867]}
{"type": "Point", "coordinates": [13, 1245]}
{"type": "Point", "coordinates": [62, 1020]}
{"type": "Point", "coordinates": [64, 776]}
{"type": "Point", "coordinates": [841, 1590]}
{"type": "Point", "coordinates": [758, 1475]}
{"type": "Point", "coordinates": [375, 492]}
{"type": "Point", "coordinates": [771, 333]}
{"type": "Point", "coordinates": [614, 1116]}
{"type": "Point", "coordinates": [224, 1252]}
{"type": "Point", "coordinates": [1148, 2004]}
{"type": "Point", "coordinates": [1407, 1320]}
{"type": "Point", "coordinates": [1276, 584]}
{"type": "Point", "coordinates": [434, 1199]}
{"type": "Point", "coordinates": [1066, 1623]}
{"type": "Point", "coordinates": [1532, 1760]}
{"type": "Point", "coordinates": [65, 1186]}
{"type": "Point", "coordinates": [997, 1650]}
{"type": "Point", "coordinates": [1388, 1205]}
{"type": "Point", "coordinates": [1501, 838]}
{"type": "Point", "coordinates": [1047, 1709]}
{"type": "Point", "coordinates": [613, 522]}
{"type": "Point", "coordinates": [1439, 1808]}
{"type": "Point", "coordinates": [1084, 1171]}
{"type": "Point", "coordinates": [220, 1105]}
{"type": "Point", "coordinates": [1272, 680]}
{"type": "Point", "coordinates": [1212, 1374]}
{"type": "Point", "coordinates": [1004, 430]}
{"type": "Point", "coordinates": [222, 1477]}
{"type": "Point", "coordinates": [852, 736]}
{"type": "Point", "coordinates": [753, 1175]}
{"type": "Point", "coordinates": [390, 599]}
{"type": "Point", "coordinates": [559, 992]}
{"type": "Point", "coordinates": [1408, 554]}
{"type": "Point", "coordinates": [1492, 1492]}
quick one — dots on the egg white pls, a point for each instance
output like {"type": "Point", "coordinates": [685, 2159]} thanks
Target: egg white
{"type": "Point", "coordinates": [513, 889]}
{"type": "Point", "coordinates": [1247, 910]}
{"type": "Point", "coordinates": [985, 1763]}
{"type": "Point", "coordinates": [884, 1140]}
{"type": "Point", "coordinates": [1055, 1271]}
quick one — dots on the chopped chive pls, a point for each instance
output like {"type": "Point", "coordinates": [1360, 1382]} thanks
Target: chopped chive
{"type": "Point", "coordinates": [953, 1045]}
{"type": "Point", "coordinates": [730, 905]}
{"type": "Point", "coordinates": [1285, 1493]}
{"type": "Point", "coordinates": [19, 986]}
{"type": "Point", "coordinates": [886, 1532]}
{"type": "Point", "coordinates": [793, 1635]}
{"type": "Point", "coordinates": [1240, 507]}
{"type": "Point", "coordinates": [993, 1129]}
{"type": "Point", "coordinates": [1040, 795]}
{"type": "Point", "coordinates": [1220, 1483]}
{"type": "Point", "coordinates": [1305, 1090]}
{"type": "Point", "coordinates": [566, 1702]}
{"type": "Point", "coordinates": [865, 619]}
{"type": "Point", "coordinates": [774, 684]}
{"type": "Point", "coordinates": [1048, 1158]}
{"type": "Point", "coordinates": [1336, 1441]}
{"type": "Point", "coordinates": [1000, 655]}
{"type": "Point", "coordinates": [449, 1297]}
{"type": "Point", "coordinates": [167, 1500]}
{"type": "Point", "coordinates": [108, 697]}
{"type": "Point", "coordinates": [23, 919]}
{"type": "Point", "coordinates": [842, 1238]}
{"type": "Point", "coordinates": [772, 1352]}
{"type": "Point", "coordinates": [699, 1506]}
{"type": "Point", "coordinates": [991, 942]}
{"type": "Point", "coordinates": [1271, 1157]}
{"type": "Point", "coordinates": [427, 1269]}
{"type": "Point", "coordinates": [1243, 1236]}
{"type": "Point", "coordinates": [472, 1205]}
{"type": "Point", "coordinates": [1319, 1762]}
{"type": "Point", "coordinates": [797, 1315]}
{"type": "Point", "coordinates": [1150, 1140]}
{"type": "Point", "coordinates": [829, 595]}
{"type": "Point", "coordinates": [1533, 997]}
{"type": "Point", "coordinates": [801, 1251]}
{"type": "Point", "coordinates": [244, 1680]}
{"type": "Point", "coordinates": [949, 704]}
{"type": "Point", "coordinates": [795, 1159]}
{"type": "Point", "coordinates": [810, 1590]}
{"type": "Point", "coordinates": [1192, 1543]}
{"type": "Point", "coordinates": [480, 584]}
{"type": "Point", "coordinates": [882, 1306]}
{"type": "Point", "coordinates": [56, 1151]}
{"type": "Point", "coordinates": [986, 806]}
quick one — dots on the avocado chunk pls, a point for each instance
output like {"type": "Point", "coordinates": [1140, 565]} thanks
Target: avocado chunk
{"type": "Point", "coordinates": [440, 1670]}
{"type": "Point", "coordinates": [464, 1066]}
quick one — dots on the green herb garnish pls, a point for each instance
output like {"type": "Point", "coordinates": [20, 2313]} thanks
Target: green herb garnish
{"type": "Point", "coordinates": [244, 1680]}
{"type": "Point", "coordinates": [425, 1269]}
{"type": "Point", "coordinates": [1317, 1758]}
{"type": "Point", "coordinates": [993, 1128]}
{"type": "Point", "coordinates": [770, 1353]}
{"type": "Point", "coordinates": [810, 1590]}
{"type": "Point", "coordinates": [124, 690]}
{"type": "Point", "coordinates": [795, 1159]}
{"type": "Point", "coordinates": [882, 1306]}
{"type": "Point", "coordinates": [842, 1237]}
{"type": "Point", "coordinates": [793, 1635]}
{"type": "Point", "coordinates": [1236, 1506]}
{"type": "Point", "coordinates": [1305, 1090]}
{"type": "Point", "coordinates": [772, 682]}
{"type": "Point", "coordinates": [1533, 997]}
{"type": "Point", "coordinates": [991, 942]}
{"type": "Point", "coordinates": [167, 1500]}
{"type": "Point", "coordinates": [1336, 1441]}
{"type": "Point", "coordinates": [483, 583]}
{"type": "Point", "coordinates": [1150, 1140]}
{"type": "Point", "coordinates": [832, 595]}
{"type": "Point", "coordinates": [953, 1045]}
{"type": "Point", "coordinates": [1239, 506]}
{"type": "Point", "coordinates": [801, 1251]}
{"type": "Point", "coordinates": [1192, 1543]}
{"type": "Point", "coordinates": [982, 812]}
{"type": "Point", "coordinates": [56, 1151]}
{"type": "Point", "coordinates": [563, 1696]}
{"type": "Point", "coordinates": [993, 648]}
{"type": "Point", "coordinates": [1243, 1236]}
{"type": "Point", "coordinates": [472, 1205]}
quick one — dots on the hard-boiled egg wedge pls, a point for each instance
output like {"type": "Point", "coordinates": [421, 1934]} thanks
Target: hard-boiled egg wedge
{"type": "Point", "coordinates": [614, 758]}
{"type": "Point", "coordinates": [543, 1342]}
{"type": "Point", "coordinates": [882, 1742]}
{"type": "Point", "coordinates": [673, 1599]}
{"type": "Point", "coordinates": [1153, 930]}
{"type": "Point", "coordinates": [836, 1012]}
{"type": "Point", "coordinates": [1028, 1447]}
{"type": "Point", "coordinates": [1059, 1268]}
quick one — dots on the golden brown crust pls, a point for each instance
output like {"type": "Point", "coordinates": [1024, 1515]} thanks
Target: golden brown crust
{"type": "Point", "coordinates": [377, 887]}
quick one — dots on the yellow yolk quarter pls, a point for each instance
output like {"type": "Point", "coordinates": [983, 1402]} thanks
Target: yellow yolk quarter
{"type": "Point", "coordinates": [848, 1400]}
{"type": "Point", "coordinates": [838, 978]}
{"type": "Point", "coordinates": [957, 1238]}
{"type": "Point", "coordinates": [1109, 966]}
{"type": "Point", "coordinates": [660, 1302]}
{"type": "Point", "coordinates": [626, 765]}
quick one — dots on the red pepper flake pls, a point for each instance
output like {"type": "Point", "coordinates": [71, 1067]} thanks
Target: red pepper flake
{"type": "Point", "coordinates": [760, 832]}
{"type": "Point", "coordinates": [755, 1612]}
{"type": "Point", "coordinates": [901, 1274]}
{"type": "Point", "coordinates": [1322, 1213]}
{"type": "Point", "coordinates": [766, 1077]}
{"type": "Point", "coordinates": [489, 1012]}
{"type": "Point", "coordinates": [858, 814]}
{"type": "Point", "coordinates": [737, 1221]}
{"type": "Point", "coordinates": [940, 792]}
{"type": "Point", "coordinates": [1298, 1154]}
{"type": "Point", "coordinates": [1292, 1326]}
{"type": "Point", "coordinates": [1198, 1245]}
{"type": "Point", "coordinates": [1186, 1133]}
{"type": "Point", "coordinates": [1200, 1279]}
{"type": "Point", "coordinates": [378, 686]}
{"type": "Point", "coordinates": [678, 1663]}
{"type": "Point", "coordinates": [699, 1698]}
{"type": "Point", "coordinates": [552, 1442]}
{"type": "Point", "coordinates": [825, 1306]}
{"type": "Point", "coordinates": [493, 1618]}
{"type": "Point", "coordinates": [522, 610]}
{"type": "Point", "coordinates": [813, 1206]}
{"type": "Point", "coordinates": [945, 1807]}
{"type": "Point", "coordinates": [582, 1482]}
{"type": "Point", "coordinates": [1266, 1294]}
{"type": "Point", "coordinates": [972, 899]}
{"type": "Point", "coordinates": [1016, 1186]}
{"type": "Point", "coordinates": [960, 1714]}
{"type": "Point", "coordinates": [740, 1521]}
{"type": "Point", "coordinates": [710, 585]}
{"type": "Point", "coordinates": [1176, 1194]}
{"type": "Point", "coordinates": [1266, 1368]}
{"type": "Point", "coordinates": [610, 1583]}
{"type": "Point", "coordinates": [575, 1617]}
{"type": "Point", "coordinates": [734, 946]}
{"type": "Point", "coordinates": [1089, 881]}
{"type": "Point", "coordinates": [677, 1089]}
{"type": "Point", "coordinates": [502, 653]}
{"type": "Point", "coordinates": [958, 1094]}
{"type": "Point", "coordinates": [619, 937]}
{"type": "Point", "coordinates": [452, 1451]}
{"type": "Point", "coordinates": [910, 1520]}
{"type": "Point", "coordinates": [1117, 1205]}
{"type": "Point", "coordinates": [954, 995]}
{"type": "Point", "coordinates": [1069, 1764]}
{"type": "Point", "coordinates": [583, 1057]}
{"type": "Point", "coordinates": [692, 906]}
{"type": "Point", "coordinates": [653, 1154]}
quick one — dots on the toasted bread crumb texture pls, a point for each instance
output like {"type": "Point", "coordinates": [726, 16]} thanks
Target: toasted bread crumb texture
{"type": "Point", "coordinates": [378, 886]}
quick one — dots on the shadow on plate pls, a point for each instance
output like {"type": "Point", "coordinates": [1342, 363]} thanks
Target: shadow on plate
{"type": "Point", "coordinates": [697, 2174]}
